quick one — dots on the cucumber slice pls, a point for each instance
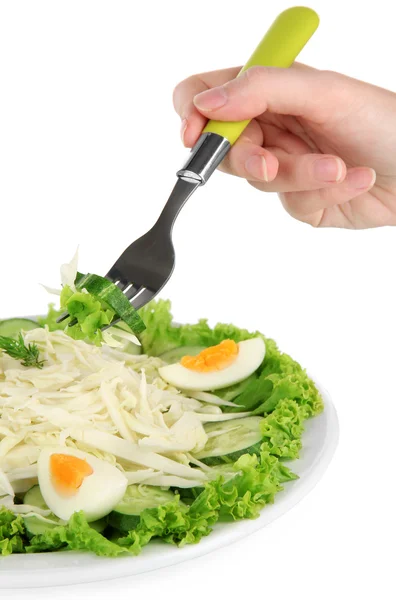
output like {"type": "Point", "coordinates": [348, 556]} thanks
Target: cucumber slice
{"type": "Point", "coordinates": [176, 354]}
{"type": "Point", "coordinates": [35, 498]}
{"type": "Point", "coordinates": [12, 327]}
{"type": "Point", "coordinates": [234, 438]}
{"type": "Point", "coordinates": [107, 292]}
{"type": "Point", "coordinates": [35, 526]}
{"type": "Point", "coordinates": [126, 515]}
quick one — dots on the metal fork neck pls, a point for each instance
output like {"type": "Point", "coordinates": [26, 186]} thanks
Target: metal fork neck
{"type": "Point", "coordinates": [179, 196]}
{"type": "Point", "coordinates": [204, 159]}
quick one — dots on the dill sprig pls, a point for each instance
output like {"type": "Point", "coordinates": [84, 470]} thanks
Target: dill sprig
{"type": "Point", "coordinates": [29, 355]}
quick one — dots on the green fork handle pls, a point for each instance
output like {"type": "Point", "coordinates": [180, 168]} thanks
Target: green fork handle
{"type": "Point", "coordinates": [279, 48]}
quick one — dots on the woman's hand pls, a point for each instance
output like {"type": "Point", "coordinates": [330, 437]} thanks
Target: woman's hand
{"type": "Point", "coordinates": [325, 142]}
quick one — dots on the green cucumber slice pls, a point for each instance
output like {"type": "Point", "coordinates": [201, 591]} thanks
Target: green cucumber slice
{"type": "Point", "coordinates": [107, 292]}
{"type": "Point", "coordinates": [234, 438]}
{"type": "Point", "coordinates": [12, 327]}
{"type": "Point", "coordinates": [35, 498]}
{"type": "Point", "coordinates": [35, 526]}
{"type": "Point", "coordinates": [176, 354]}
{"type": "Point", "coordinates": [126, 515]}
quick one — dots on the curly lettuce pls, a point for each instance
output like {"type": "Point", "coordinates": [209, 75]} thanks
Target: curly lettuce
{"type": "Point", "coordinates": [89, 313]}
{"type": "Point", "coordinates": [12, 533]}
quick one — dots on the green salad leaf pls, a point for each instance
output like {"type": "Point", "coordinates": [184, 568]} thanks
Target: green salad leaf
{"type": "Point", "coordinates": [173, 524]}
{"type": "Point", "coordinates": [91, 314]}
{"type": "Point", "coordinates": [50, 319]}
{"type": "Point", "coordinates": [161, 335]}
{"type": "Point", "coordinates": [76, 535]}
{"type": "Point", "coordinates": [283, 428]}
{"type": "Point", "coordinates": [12, 533]}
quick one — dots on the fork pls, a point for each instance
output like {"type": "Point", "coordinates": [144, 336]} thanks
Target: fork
{"type": "Point", "coordinates": [146, 265]}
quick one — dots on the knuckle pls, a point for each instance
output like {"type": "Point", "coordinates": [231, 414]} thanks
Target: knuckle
{"type": "Point", "coordinates": [257, 74]}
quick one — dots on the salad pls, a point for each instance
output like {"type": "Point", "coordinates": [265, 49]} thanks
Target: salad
{"type": "Point", "coordinates": [147, 430]}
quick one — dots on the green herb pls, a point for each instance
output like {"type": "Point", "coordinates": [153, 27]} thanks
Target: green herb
{"type": "Point", "coordinates": [29, 355]}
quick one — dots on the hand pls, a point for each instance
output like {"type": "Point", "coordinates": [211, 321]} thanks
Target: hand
{"type": "Point", "coordinates": [325, 142]}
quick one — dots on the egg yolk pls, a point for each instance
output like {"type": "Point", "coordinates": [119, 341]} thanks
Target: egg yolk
{"type": "Point", "coordinates": [214, 358]}
{"type": "Point", "coordinates": [68, 472]}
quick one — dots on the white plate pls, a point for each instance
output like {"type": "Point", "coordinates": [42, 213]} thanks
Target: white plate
{"type": "Point", "coordinates": [53, 569]}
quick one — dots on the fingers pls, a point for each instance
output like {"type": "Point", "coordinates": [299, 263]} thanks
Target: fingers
{"type": "Point", "coordinates": [185, 91]}
{"type": "Point", "coordinates": [278, 171]}
{"type": "Point", "coordinates": [249, 149]}
{"type": "Point", "coordinates": [192, 120]}
{"type": "Point", "coordinates": [308, 206]}
{"type": "Point", "coordinates": [301, 172]}
{"type": "Point", "coordinates": [246, 157]}
{"type": "Point", "coordinates": [295, 91]}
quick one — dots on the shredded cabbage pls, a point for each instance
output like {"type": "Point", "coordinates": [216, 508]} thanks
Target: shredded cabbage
{"type": "Point", "coordinates": [99, 400]}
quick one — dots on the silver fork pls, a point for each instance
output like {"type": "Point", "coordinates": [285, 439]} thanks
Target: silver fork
{"type": "Point", "coordinates": [146, 265]}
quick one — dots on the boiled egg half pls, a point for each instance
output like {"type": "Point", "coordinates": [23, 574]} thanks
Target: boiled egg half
{"type": "Point", "coordinates": [71, 480]}
{"type": "Point", "coordinates": [216, 367]}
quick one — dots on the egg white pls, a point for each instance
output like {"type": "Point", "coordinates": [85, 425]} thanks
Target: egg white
{"type": "Point", "coordinates": [99, 492]}
{"type": "Point", "coordinates": [250, 356]}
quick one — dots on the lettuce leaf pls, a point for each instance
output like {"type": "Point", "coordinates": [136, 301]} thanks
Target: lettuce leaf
{"type": "Point", "coordinates": [91, 314]}
{"type": "Point", "coordinates": [50, 319]}
{"type": "Point", "coordinates": [76, 535]}
{"type": "Point", "coordinates": [255, 484]}
{"type": "Point", "coordinates": [161, 335]}
{"type": "Point", "coordinates": [282, 430]}
{"type": "Point", "coordinates": [12, 532]}
{"type": "Point", "coordinates": [174, 523]}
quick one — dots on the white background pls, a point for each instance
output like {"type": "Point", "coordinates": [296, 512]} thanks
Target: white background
{"type": "Point", "coordinates": [89, 147]}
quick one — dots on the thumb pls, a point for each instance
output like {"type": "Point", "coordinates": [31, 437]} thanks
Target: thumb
{"type": "Point", "coordinates": [298, 91]}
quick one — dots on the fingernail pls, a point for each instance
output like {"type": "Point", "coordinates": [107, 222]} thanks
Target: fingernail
{"type": "Point", "coordinates": [183, 128]}
{"type": "Point", "coordinates": [211, 99]}
{"type": "Point", "coordinates": [257, 167]}
{"type": "Point", "coordinates": [328, 170]}
{"type": "Point", "coordinates": [361, 179]}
